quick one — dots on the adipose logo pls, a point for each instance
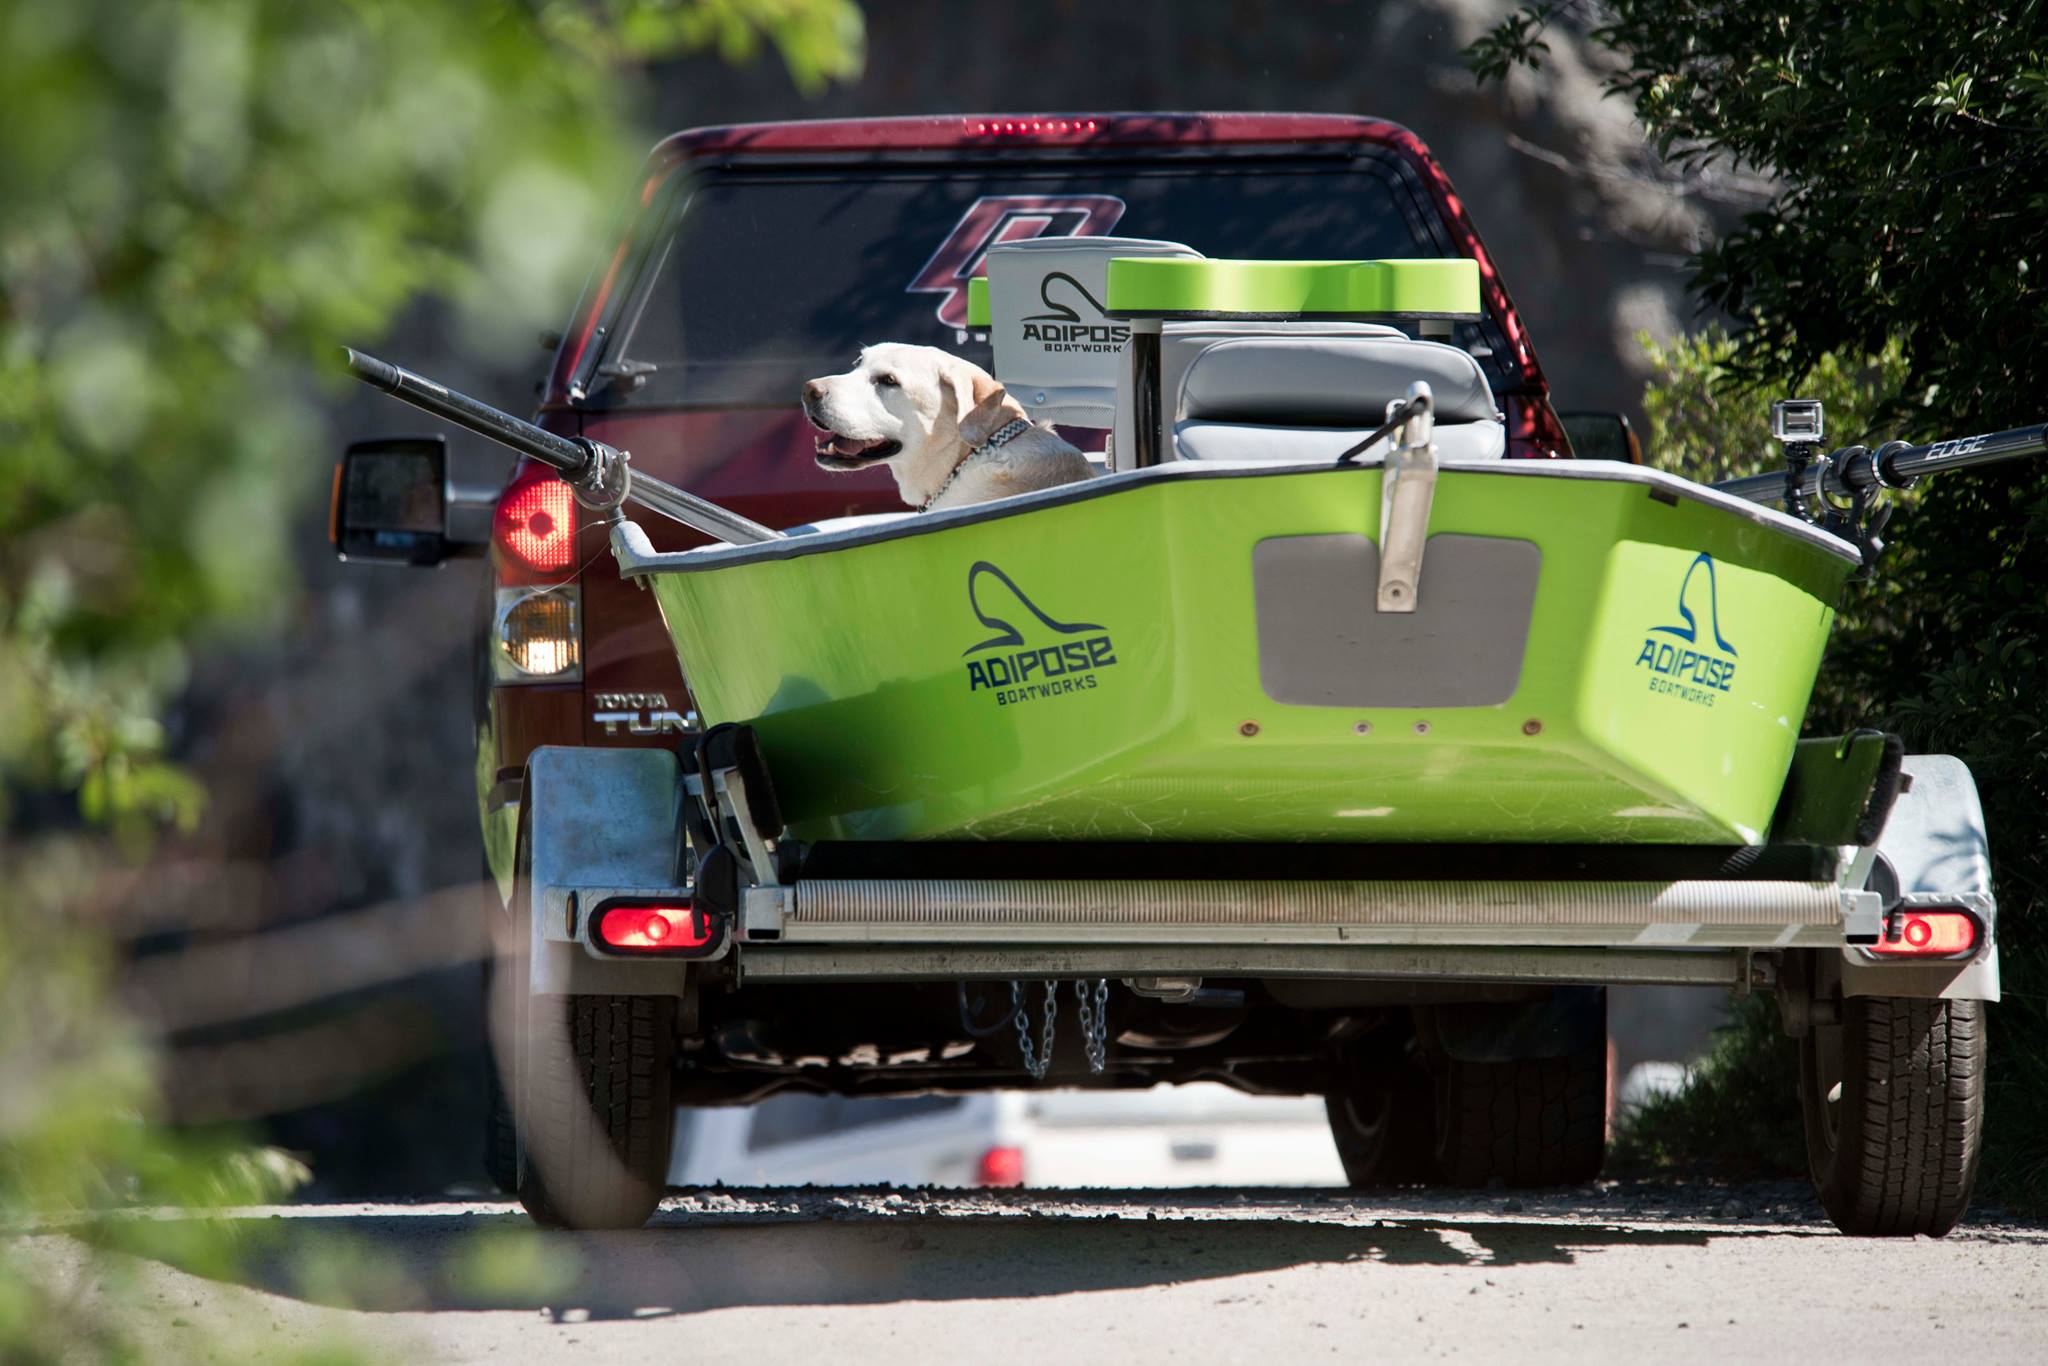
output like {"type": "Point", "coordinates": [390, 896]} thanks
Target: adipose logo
{"type": "Point", "coordinates": [1683, 665]}
{"type": "Point", "coordinates": [1059, 659]}
{"type": "Point", "coordinates": [1063, 328]}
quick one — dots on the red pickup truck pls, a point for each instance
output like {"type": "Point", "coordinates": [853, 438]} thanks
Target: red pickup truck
{"type": "Point", "coordinates": [755, 257]}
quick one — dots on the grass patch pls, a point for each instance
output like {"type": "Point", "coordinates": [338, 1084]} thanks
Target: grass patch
{"type": "Point", "coordinates": [1738, 1116]}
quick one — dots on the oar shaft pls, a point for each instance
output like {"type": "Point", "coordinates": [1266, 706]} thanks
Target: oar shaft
{"type": "Point", "coordinates": [564, 454]}
{"type": "Point", "coordinates": [590, 465]}
{"type": "Point", "coordinates": [1847, 473]}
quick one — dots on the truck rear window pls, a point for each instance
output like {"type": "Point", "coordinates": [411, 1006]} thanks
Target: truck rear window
{"type": "Point", "coordinates": [761, 278]}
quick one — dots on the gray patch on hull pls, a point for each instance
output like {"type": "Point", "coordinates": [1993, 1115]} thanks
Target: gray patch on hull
{"type": "Point", "coordinates": [1322, 643]}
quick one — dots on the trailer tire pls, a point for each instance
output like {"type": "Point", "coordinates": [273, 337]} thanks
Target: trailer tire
{"type": "Point", "coordinates": [595, 1115]}
{"type": "Point", "coordinates": [1524, 1121]}
{"type": "Point", "coordinates": [1894, 1152]}
{"type": "Point", "coordinates": [600, 1115]}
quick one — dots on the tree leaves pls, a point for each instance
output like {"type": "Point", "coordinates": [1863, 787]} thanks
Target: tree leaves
{"type": "Point", "coordinates": [198, 200]}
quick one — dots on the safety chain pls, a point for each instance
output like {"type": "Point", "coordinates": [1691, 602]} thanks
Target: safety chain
{"type": "Point", "coordinates": [1094, 1026]}
{"type": "Point", "coordinates": [1035, 1062]}
{"type": "Point", "coordinates": [1095, 1023]}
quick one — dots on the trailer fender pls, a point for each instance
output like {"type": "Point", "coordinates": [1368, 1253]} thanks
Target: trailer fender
{"type": "Point", "coordinates": [1933, 852]}
{"type": "Point", "coordinates": [605, 823]}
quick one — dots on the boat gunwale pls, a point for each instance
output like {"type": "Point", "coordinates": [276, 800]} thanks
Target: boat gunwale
{"type": "Point", "coordinates": [636, 556]}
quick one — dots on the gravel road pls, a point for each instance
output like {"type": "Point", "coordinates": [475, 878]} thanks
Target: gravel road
{"type": "Point", "coordinates": [1680, 1273]}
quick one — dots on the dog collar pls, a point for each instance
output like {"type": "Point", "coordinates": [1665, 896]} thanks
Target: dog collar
{"type": "Point", "coordinates": [1002, 436]}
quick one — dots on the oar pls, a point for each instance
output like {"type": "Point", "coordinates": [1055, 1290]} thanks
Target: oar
{"type": "Point", "coordinates": [598, 473]}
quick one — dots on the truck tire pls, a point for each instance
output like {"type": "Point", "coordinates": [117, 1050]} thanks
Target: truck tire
{"type": "Point", "coordinates": [1522, 1122]}
{"type": "Point", "coordinates": [1383, 1133]}
{"type": "Point", "coordinates": [595, 1115]}
{"type": "Point", "coordinates": [1893, 1098]}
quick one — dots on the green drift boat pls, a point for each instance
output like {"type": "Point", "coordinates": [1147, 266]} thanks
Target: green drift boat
{"type": "Point", "coordinates": [1600, 653]}
{"type": "Point", "coordinates": [1308, 602]}
{"type": "Point", "coordinates": [1193, 650]}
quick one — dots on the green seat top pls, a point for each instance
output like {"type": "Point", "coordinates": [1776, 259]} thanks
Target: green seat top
{"type": "Point", "coordinates": [1175, 287]}
{"type": "Point", "coordinates": [977, 302]}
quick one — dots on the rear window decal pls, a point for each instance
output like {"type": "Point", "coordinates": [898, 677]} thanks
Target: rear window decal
{"type": "Point", "coordinates": [997, 218]}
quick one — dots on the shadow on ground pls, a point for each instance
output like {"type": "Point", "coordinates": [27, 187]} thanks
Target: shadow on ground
{"type": "Point", "coordinates": [714, 1250]}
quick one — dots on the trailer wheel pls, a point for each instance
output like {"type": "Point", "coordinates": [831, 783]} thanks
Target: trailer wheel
{"type": "Point", "coordinates": [598, 1116]}
{"type": "Point", "coordinates": [595, 1115]}
{"type": "Point", "coordinates": [1522, 1122]}
{"type": "Point", "coordinates": [1894, 1104]}
{"type": "Point", "coordinates": [1383, 1133]}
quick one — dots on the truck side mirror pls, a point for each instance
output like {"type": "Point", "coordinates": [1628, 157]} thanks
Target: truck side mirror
{"type": "Point", "coordinates": [1602, 436]}
{"type": "Point", "coordinates": [390, 501]}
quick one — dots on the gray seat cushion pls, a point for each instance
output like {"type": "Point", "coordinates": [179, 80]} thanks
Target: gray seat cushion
{"type": "Point", "coordinates": [1330, 381]}
{"type": "Point", "coordinates": [1306, 399]}
{"type": "Point", "coordinates": [1181, 342]}
{"type": "Point", "coordinates": [1321, 445]}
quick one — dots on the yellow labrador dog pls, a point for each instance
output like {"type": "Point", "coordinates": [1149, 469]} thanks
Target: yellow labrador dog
{"type": "Point", "coordinates": [945, 427]}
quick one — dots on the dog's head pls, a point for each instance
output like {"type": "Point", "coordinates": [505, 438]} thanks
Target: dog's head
{"type": "Point", "coordinates": [916, 409]}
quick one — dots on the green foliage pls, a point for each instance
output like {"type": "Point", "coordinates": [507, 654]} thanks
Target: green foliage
{"type": "Point", "coordinates": [1515, 41]}
{"type": "Point", "coordinates": [1910, 143]}
{"type": "Point", "coordinates": [1738, 1116]}
{"type": "Point", "coordinates": [199, 201]}
{"type": "Point", "coordinates": [80, 1143]}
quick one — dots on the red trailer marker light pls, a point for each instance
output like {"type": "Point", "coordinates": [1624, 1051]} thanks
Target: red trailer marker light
{"type": "Point", "coordinates": [1930, 934]}
{"type": "Point", "coordinates": [1000, 1167]}
{"type": "Point", "coordinates": [627, 927]}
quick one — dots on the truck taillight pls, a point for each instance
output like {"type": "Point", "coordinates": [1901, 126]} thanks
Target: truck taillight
{"type": "Point", "coordinates": [537, 635]}
{"type": "Point", "coordinates": [535, 529]}
{"type": "Point", "coordinates": [1929, 934]}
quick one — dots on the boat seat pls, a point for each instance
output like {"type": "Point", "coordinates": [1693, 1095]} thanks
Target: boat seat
{"type": "Point", "coordinates": [1181, 342]}
{"type": "Point", "coordinates": [1294, 398]}
{"type": "Point", "coordinates": [1055, 350]}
